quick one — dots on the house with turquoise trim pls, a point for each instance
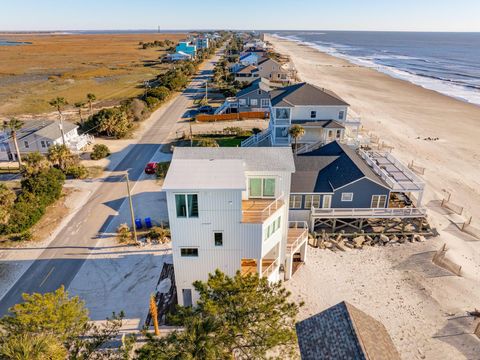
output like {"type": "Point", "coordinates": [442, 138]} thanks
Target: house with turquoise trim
{"type": "Point", "coordinates": [187, 48]}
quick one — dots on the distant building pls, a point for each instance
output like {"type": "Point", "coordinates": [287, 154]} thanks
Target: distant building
{"type": "Point", "coordinates": [227, 210]}
{"type": "Point", "coordinates": [343, 332]}
{"type": "Point", "coordinates": [247, 74]}
{"type": "Point", "coordinates": [273, 71]}
{"type": "Point", "coordinates": [255, 97]}
{"type": "Point", "coordinates": [202, 43]}
{"type": "Point", "coordinates": [187, 48]}
{"type": "Point", "coordinates": [178, 56]}
{"type": "Point", "coordinates": [39, 135]}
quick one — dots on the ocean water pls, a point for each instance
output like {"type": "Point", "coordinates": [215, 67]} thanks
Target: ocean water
{"type": "Point", "coordinates": [12, 43]}
{"type": "Point", "coordinates": [448, 63]}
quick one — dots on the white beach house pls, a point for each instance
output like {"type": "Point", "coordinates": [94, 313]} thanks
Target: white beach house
{"type": "Point", "coordinates": [228, 210]}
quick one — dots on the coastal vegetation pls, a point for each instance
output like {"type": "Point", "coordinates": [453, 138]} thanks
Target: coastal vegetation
{"type": "Point", "coordinates": [241, 317]}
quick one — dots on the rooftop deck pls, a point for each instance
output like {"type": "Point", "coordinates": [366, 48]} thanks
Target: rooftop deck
{"type": "Point", "coordinates": [259, 210]}
{"type": "Point", "coordinates": [393, 172]}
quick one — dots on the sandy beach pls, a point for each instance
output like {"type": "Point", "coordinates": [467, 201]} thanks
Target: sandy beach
{"type": "Point", "coordinates": [423, 306]}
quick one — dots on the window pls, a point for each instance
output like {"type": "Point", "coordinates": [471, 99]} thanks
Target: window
{"type": "Point", "coordinates": [253, 102]}
{"type": "Point", "coordinates": [218, 237]}
{"type": "Point", "coordinates": [259, 92]}
{"type": "Point", "coordinates": [187, 297]}
{"type": "Point", "coordinates": [48, 143]}
{"type": "Point", "coordinates": [341, 114]}
{"type": "Point", "coordinates": [312, 200]}
{"type": "Point", "coordinates": [379, 201]}
{"type": "Point", "coordinates": [339, 134]}
{"type": "Point", "coordinates": [313, 114]}
{"type": "Point", "coordinates": [272, 228]}
{"type": "Point", "coordinates": [282, 114]}
{"type": "Point", "coordinates": [295, 201]}
{"type": "Point", "coordinates": [242, 102]}
{"type": "Point", "coordinates": [264, 103]}
{"type": "Point", "coordinates": [347, 196]}
{"type": "Point", "coordinates": [43, 143]}
{"type": "Point", "coordinates": [189, 252]}
{"type": "Point", "coordinates": [330, 134]}
{"type": "Point", "coordinates": [261, 187]}
{"type": "Point", "coordinates": [186, 205]}
{"type": "Point", "coordinates": [26, 144]}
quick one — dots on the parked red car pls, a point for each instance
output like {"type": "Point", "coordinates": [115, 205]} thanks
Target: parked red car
{"type": "Point", "coordinates": [151, 168]}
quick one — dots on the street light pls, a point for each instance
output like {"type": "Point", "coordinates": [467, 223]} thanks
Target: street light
{"type": "Point", "coordinates": [132, 214]}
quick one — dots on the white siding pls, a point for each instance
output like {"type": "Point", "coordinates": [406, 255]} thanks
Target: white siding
{"type": "Point", "coordinates": [323, 112]}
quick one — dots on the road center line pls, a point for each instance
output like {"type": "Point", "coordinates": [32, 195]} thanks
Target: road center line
{"type": "Point", "coordinates": [46, 277]}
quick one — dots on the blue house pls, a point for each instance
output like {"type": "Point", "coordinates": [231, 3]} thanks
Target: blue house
{"type": "Point", "coordinates": [202, 43]}
{"type": "Point", "coordinates": [187, 48]}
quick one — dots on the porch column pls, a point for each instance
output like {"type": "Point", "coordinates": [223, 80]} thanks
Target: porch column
{"type": "Point", "coordinates": [288, 266]}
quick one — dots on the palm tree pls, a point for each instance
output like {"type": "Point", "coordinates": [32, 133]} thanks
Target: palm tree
{"type": "Point", "coordinates": [59, 155]}
{"type": "Point", "coordinates": [59, 103]}
{"type": "Point", "coordinates": [296, 131]}
{"type": "Point", "coordinates": [14, 125]}
{"type": "Point", "coordinates": [91, 97]}
{"type": "Point", "coordinates": [79, 105]}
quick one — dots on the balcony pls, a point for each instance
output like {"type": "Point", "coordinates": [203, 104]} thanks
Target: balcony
{"type": "Point", "coordinates": [257, 211]}
{"type": "Point", "coordinates": [269, 266]}
{"type": "Point", "coordinates": [297, 235]}
{"type": "Point", "coordinates": [368, 213]}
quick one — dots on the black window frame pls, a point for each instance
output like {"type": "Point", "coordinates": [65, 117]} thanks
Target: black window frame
{"type": "Point", "coordinates": [189, 252]}
{"type": "Point", "coordinates": [218, 242]}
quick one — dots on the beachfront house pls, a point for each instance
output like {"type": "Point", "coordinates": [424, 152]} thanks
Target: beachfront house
{"type": "Point", "coordinates": [337, 182]}
{"type": "Point", "coordinates": [228, 210]}
{"type": "Point", "coordinates": [273, 71]}
{"type": "Point", "coordinates": [319, 111]}
{"type": "Point", "coordinates": [255, 97]}
{"type": "Point", "coordinates": [249, 58]}
{"type": "Point", "coordinates": [40, 135]}
{"type": "Point", "coordinates": [344, 332]}
{"type": "Point", "coordinates": [187, 47]}
{"type": "Point", "coordinates": [247, 74]}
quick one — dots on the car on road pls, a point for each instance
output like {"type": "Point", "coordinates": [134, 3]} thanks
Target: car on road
{"type": "Point", "coordinates": [151, 168]}
{"type": "Point", "coordinates": [206, 109]}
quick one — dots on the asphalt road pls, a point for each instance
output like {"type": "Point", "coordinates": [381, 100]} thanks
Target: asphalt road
{"type": "Point", "coordinates": [65, 255]}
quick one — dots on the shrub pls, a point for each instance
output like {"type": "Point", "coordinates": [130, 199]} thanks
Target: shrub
{"type": "Point", "coordinates": [207, 143]}
{"type": "Point", "coordinates": [100, 151]}
{"type": "Point", "coordinates": [256, 130]}
{"type": "Point", "coordinates": [161, 93]}
{"type": "Point", "coordinates": [136, 109]}
{"type": "Point", "coordinates": [110, 122]}
{"type": "Point", "coordinates": [162, 169]}
{"type": "Point", "coordinates": [24, 236]}
{"type": "Point", "coordinates": [46, 186]}
{"type": "Point", "coordinates": [77, 172]}
{"type": "Point", "coordinates": [123, 233]}
{"type": "Point", "coordinates": [159, 234]}
{"type": "Point", "coordinates": [151, 101]}
{"type": "Point", "coordinates": [26, 211]}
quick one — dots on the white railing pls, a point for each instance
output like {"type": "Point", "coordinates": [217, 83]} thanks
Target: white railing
{"type": "Point", "coordinates": [78, 143]}
{"type": "Point", "coordinates": [301, 238]}
{"type": "Point", "coordinates": [271, 268]}
{"type": "Point", "coordinates": [256, 138]}
{"type": "Point", "coordinates": [392, 183]}
{"type": "Point", "coordinates": [281, 121]}
{"type": "Point", "coordinates": [268, 211]}
{"type": "Point", "coordinates": [309, 147]}
{"type": "Point", "coordinates": [368, 212]}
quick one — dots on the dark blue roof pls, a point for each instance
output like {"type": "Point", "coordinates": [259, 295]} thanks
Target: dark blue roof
{"type": "Point", "coordinates": [330, 167]}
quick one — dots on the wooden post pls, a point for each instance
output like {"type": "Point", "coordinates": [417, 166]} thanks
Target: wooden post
{"type": "Point", "coordinates": [477, 330]}
{"type": "Point", "coordinates": [154, 314]}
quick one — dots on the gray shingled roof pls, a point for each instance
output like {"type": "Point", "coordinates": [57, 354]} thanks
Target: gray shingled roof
{"type": "Point", "coordinates": [45, 128]}
{"type": "Point", "coordinates": [343, 332]}
{"type": "Point", "coordinates": [247, 69]}
{"type": "Point", "coordinates": [261, 83]}
{"type": "Point", "coordinates": [328, 168]}
{"type": "Point", "coordinates": [255, 158]}
{"type": "Point", "coordinates": [305, 94]}
{"type": "Point", "coordinates": [326, 124]}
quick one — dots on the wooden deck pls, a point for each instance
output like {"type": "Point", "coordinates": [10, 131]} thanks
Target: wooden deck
{"type": "Point", "coordinates": [249, 266]}
{"type": "Point", "coordinates": [258, 210]}
{"type": "Point", "coordinates": [296, 236]}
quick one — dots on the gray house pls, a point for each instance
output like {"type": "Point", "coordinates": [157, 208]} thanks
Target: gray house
{"type": "Point", "coordinates": [335, 177]}
{"type": "Point", "coordinates": [255, 97]}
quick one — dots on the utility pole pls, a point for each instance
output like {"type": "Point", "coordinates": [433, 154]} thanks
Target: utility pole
{"type": "Point", "coordinates": [61, 127]}
{"type": "Point", "coordinates": [206, 92]}
{"type": "Point", "coordinates": [134, 228]}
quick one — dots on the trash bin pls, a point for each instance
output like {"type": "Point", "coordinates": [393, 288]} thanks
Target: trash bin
{"type": "Point", "coordinates": [148, 223]}
{"type": "Point", "coordinates": [138, 223]}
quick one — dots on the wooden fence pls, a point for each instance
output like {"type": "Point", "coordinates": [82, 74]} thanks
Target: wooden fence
{"type": "Point", "coordinates": [233, 117]}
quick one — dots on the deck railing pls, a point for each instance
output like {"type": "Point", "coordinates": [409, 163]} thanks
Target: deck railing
{"type": "Point", "coordinates": [302, 237]}
{"type": "Point", "coordinates": [271, 268]}
{"type": "Point", "coordinates": [255, 139]}
{"type": "Point", "coordinates": [368, 212]}
{"type": "Point", "coordinates": [265, 213]}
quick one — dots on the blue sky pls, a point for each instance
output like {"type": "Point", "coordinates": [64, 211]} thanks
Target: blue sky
{"type": "Point", "coordinates": [405, 15]}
